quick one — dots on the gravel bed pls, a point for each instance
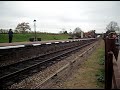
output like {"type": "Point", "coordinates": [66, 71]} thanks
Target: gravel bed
{"type": "Point", "coordinates": [59, 84]}
{"type": "Point", "coordinates": [33, 81]}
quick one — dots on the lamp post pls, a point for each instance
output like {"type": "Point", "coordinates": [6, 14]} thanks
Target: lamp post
{"type": "Point", "coordinates": [35, 28]}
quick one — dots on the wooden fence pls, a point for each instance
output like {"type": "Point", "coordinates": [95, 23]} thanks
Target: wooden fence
{"type": "Point", "coordinates": [111, 52]}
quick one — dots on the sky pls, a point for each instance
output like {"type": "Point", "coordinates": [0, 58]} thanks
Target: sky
{"type": "Point", "coordinates": [53, 16]}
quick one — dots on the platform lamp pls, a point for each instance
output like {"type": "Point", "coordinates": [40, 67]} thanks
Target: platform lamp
{"type": "Point", "coordinates": [35, 29]}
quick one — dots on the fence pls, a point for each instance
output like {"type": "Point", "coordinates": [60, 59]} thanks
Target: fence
{"type": "Point", "coordinates": [111, 52]}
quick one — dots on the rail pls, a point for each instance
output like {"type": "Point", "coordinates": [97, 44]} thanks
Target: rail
{"type": "Point", "coordinates": [15, 71]}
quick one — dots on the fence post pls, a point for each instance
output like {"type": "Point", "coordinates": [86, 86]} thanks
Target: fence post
{"type": "Point", "coordinates": [109, 48]}
{"type": "Point", "coordinates": [109, 71]}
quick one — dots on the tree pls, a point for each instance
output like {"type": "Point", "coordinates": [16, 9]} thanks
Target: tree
{"type": "Point", "coordinates": [112, 26]}
{"type": "Point", "coordinates": [22, 27]}
{"type": "Point", "coordinates": [60, 32]}
{"type": "Point", "coordinates": [3, 31]}
{"type": "Point", "coordinates": [71, 34]}
{"type": "Point", "coordinates": [77, 32]}
{"type": "Point", "coordinates": [16, 31]}
{"type": "Point", "coordinates": [65, 32]}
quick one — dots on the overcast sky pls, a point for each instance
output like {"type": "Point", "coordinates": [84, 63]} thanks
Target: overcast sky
{"type": "Point", "coordinates": [52, 16]}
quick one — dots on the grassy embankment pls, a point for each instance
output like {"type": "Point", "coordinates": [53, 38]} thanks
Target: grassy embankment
{"type": "Point", "coordinates": [25, 37]}
{"type": "Point", "coordinates": [91, 73]}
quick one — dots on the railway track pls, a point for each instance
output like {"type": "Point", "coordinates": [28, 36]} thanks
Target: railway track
{"type": "Point", "coordinates": [16, 72]}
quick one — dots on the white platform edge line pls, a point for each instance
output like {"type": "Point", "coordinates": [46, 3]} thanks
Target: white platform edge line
{"type": "Point", "coordinates": [8, 47]}
{"type": "Point", "coordinates": [36, 44]}
{"type": "Point", "coordinates": [56, 42]}
{"type": "Point", "coordinates": [47, 43]}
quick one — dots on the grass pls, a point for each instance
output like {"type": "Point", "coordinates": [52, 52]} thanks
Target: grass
{"type": "Point", "coordinates": [96, 63]}
{"type": "Point", "coordinates": [101, 72]}
{"type": "Point", "coordinates": [25, 37]}
{"type": "Point", "coordinates": [91, 73]}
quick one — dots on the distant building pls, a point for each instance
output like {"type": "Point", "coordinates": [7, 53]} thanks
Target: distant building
{"type": "Point", "coordinates": [90, 34]}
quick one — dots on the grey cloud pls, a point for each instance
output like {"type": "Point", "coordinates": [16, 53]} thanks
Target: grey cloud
{"type": "Point", "coordinates": [96, 13]}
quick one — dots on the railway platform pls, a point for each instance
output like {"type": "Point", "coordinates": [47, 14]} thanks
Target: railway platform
{"type": "Point", "coordinates": [26, 43]}
{"type": "Point", "coordinates": [35, 43]}
{"type": "Point", "coordinates": [38, 42]}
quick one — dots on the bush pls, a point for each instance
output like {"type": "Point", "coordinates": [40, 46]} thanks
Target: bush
{"type": "Point", "coordinates": [70, 38]}
{"type": "Point", "coordinates": [31, 39]}
{"type": "Point", "coordinates": [102, 61]}
{"type": "Point", "coordinates": [38, 39]}
{"type": "Point", "coordinates": [101, 73]}
{"type": "Point", "coordinates": [101, 79]}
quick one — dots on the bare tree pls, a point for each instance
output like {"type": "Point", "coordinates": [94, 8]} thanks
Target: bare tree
{"type": "Point", "coordinates": [3, 31]}
{"type": "Point", "coordinates": [23, 27]}
{"type": "Point", "coordinates": [77, 32]}
{"type": "Point", "coordinates": [16, 31]}
{"type": "Point", "coordinates": [112, 26]}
